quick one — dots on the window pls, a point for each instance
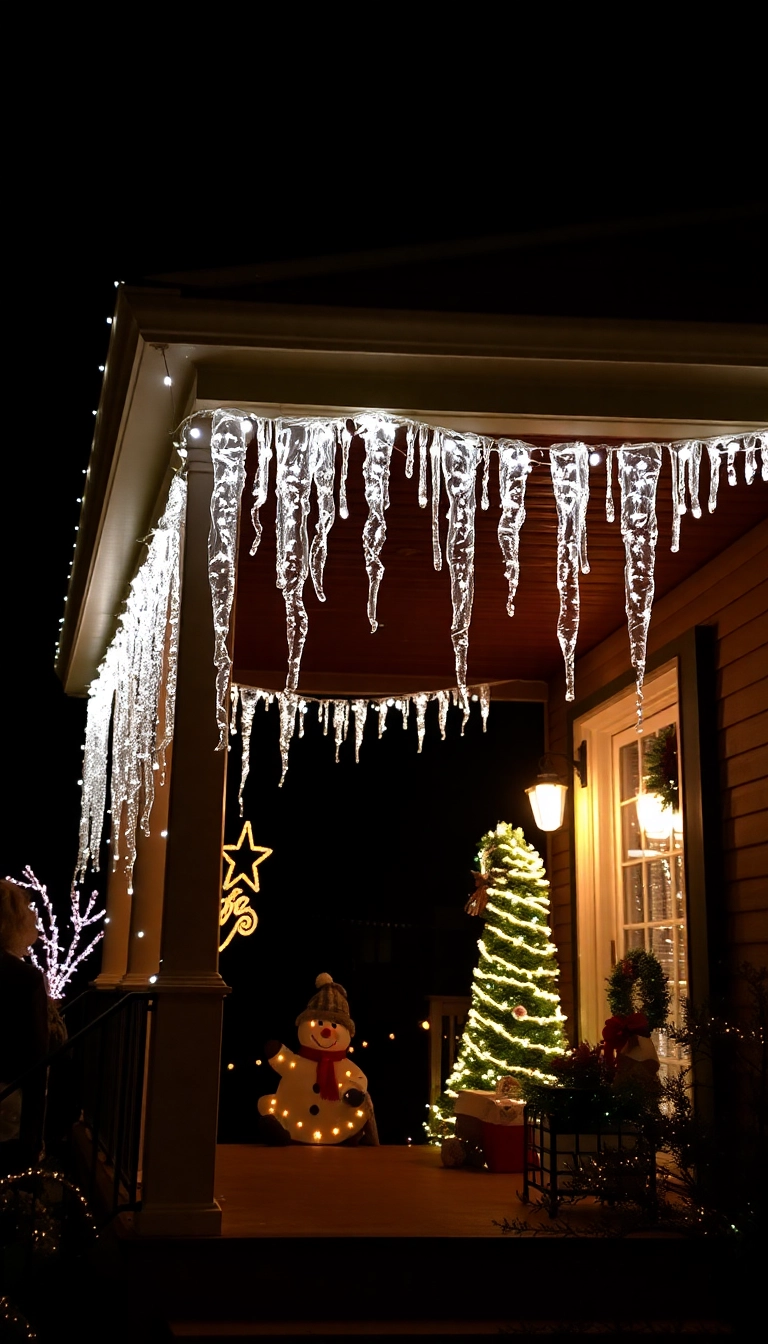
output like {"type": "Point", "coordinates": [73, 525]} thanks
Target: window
{"type": "Point", "coordinates": [630, 854]}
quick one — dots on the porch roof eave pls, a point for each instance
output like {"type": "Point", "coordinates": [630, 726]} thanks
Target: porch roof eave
{"type": "Point", "coordinates": [494, 374]}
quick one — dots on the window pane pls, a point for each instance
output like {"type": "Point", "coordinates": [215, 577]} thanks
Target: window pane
{"type": "Point", "coordinates": [660, 889]}
{"type": "Point", "coordinates": [628, 771]}
{"type": "Point", "coordinates": [663, 947]}
{"type": "Point", "coordinates": [634, 939]}
{"type": "Point", "coordinates": [633, 894]}
{"type": "Point", "coordinates": [630, 833]}
{"type": "Point", "coordinates": [679, 883]}
{"type": "Point", "coordinates": [682, 963]}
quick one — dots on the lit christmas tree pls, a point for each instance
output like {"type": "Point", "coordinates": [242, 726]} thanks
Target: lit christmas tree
{"type": "Point", "coordinates": [514, 1025]}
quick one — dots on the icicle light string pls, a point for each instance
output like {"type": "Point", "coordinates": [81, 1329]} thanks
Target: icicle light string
{"type": "Point", "coordinates": [306, 459]}
{"type": "Point", "coordinates": [124, 696]}
{"type": "Point", "coordinates": [336, 713]}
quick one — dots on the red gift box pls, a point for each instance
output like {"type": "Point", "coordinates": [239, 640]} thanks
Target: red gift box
{"type": "Point", "coordinates": [504, 1146]}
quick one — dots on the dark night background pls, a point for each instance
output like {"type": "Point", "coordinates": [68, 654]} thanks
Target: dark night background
{"type": "Point", "coordinates": [371, 864]}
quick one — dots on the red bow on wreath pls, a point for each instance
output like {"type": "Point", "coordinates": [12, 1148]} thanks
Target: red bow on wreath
{"type": "Point", "coordinates": [618, 1031]}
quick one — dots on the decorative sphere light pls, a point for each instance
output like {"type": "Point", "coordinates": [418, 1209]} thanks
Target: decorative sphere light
{"type": "Point", "coordinates": [391, 1035]}
{"type": "Point", "coordinates": [109, 321]}
{"type": "Point", "coordinates": [257, 1063]}
{"type": "Point", "coordinates": [101, 368]}
{"type": "Point", "coordinates": [655, 818]}
{"type": "Point", "coordinates": [140, 933]}
{"type": "Point", "coordinates": [425, 1024]}
{"type": "Point", "coordinates": [153, 979]}
{"type": "Point", "coordinates": [168, 380]}
{"type": "Point", "coordinates": [595, 459]}
{"type": "Point", "coordinates": [163, 835]}
{"type": "Point", "coordinates": [230, 1066]}
{"type": "Point", "coordinates": [195, 433]}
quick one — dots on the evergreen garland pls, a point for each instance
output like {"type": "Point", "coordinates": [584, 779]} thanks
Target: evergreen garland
{"type": "Point", "coordinates": [515, 1024]}
{"type": "Point", "coordinates": [661, 774]}
{"type": "Point", "coordinates": [637, 983]}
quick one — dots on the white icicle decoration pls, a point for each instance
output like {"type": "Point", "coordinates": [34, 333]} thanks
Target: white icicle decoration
{"type": "Point", "coordinates": [713, 450]}
{"type": "Point", "coordinates": [128, 689]}
{"type": "Point", "coordinates": [443, 702]}
{"type": "Point", "coordinates": [378, 434]}
{"type": "Point", "coordinates": [485, 502]}
{"type": "Point", "coordinates": [228, 443]}
{"type": "Point", "coordinates": [685, 462]}
{"type": "Point", "coordinates": [639, 466]}
{"type": "Point", "coordinates": [93, 798]}
{"type": "Point", "coordinates": [459, 459]}
{"type": "Point", "coordinates": [609, 510]}
{"type": "Point", "coordinates": [423, 440]}
{"type": "Point", "coordinates": [346, 439]}
{"type": "Point", "coordinates": [485, 705]}
{"type": "Point", "coordinates": [287, 701]}
{"type": "Point", "coordinates": [305, 452]}
{"type": "Point", "coordinates": [421, 702]}
{"type": "Point", "coordinates": [410, 439]}
{"type": "Point", "coordinates": [323, 467]}
{"type": "Point", "coordinates": [569, 465]}
{"type": "Point", "coordinates": [360, 709]}
{"type": "Point", "coordinates": [514, 466]}
{"type": "Point", "coordinates": [263, 433]}
{"type": "Point", "coordinates": [435, 453]}
{"type": "Point", "coordinates": [337, 712]}
{"type": "Point", "coordinates": [248, 702]}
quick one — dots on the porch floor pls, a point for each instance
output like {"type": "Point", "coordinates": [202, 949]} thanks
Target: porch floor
{"type": "Point", "coordinates": [391, 1191]}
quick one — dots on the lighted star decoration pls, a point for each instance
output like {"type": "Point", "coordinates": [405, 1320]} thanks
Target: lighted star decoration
{"type": "Point", "coordinates": [234, 900]}
{"type": "Point", "coordinates": [232, 877]}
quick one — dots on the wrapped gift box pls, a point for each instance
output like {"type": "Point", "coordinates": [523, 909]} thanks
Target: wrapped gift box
{"type": "Point", "coordinates": [496, 1124]}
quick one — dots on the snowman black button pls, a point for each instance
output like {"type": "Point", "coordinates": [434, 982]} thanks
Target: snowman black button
{"type": "Point", "coordinates": [314, 1110]}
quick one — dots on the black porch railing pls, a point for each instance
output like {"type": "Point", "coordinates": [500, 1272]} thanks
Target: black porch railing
{"type": "Point", "coordinates": [94, 1092]}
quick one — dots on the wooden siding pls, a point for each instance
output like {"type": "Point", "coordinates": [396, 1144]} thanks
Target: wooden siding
{"type": "Point", "coordinates": [731, 594]}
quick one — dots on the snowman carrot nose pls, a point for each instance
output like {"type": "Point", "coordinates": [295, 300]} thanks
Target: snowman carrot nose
{"type": "Point", "coordinates": [325, 1032]}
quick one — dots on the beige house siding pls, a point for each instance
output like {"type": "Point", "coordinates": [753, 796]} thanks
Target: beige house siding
{"type": "Point", "coordinates": [730, 594]}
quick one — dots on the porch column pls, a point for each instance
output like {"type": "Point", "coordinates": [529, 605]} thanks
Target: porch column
{"type": "Point", "coordinates": [183, 1072]}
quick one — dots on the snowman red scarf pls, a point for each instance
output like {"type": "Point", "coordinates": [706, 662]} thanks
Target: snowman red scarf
{"type": "Point", "coordinates": [326, 1073]}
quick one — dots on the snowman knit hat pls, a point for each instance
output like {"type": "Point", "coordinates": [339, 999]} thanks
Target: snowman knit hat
{"type": "Point", "coordinates": [330, 1002]}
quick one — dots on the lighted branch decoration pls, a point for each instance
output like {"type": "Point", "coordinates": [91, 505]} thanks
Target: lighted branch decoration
{"type": "Point", "coordinates": [60, 961]}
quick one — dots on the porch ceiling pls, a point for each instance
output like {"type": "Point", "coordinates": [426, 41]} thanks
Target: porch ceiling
{"type": "Point", "coordinates": [412, 648]}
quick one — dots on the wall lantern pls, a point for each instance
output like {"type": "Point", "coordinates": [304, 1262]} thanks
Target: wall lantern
{"type": "Point", "coordinates": [547, 795]}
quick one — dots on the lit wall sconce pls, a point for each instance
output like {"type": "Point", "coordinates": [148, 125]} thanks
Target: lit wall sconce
{"type": "Point", "coordinates": [547, 795]}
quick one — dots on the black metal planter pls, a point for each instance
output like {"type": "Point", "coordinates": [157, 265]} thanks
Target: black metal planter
{"type": "Point", "coordinates": [574, 1150]}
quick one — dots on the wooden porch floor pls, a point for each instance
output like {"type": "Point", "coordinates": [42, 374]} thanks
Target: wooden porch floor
{"type": "Point", "coordinates": [391, 1191]}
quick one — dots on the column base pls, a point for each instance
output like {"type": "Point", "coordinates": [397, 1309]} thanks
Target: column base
{"type": "Point", "coordinates": [135, 980]}
{"type": "Point", "coordinates": [178, 1220]}
{"type": "Point", "coordinates": [107, 980]}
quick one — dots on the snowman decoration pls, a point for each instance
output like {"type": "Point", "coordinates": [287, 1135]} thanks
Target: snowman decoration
{"type": "Point", "coordinates": [322, 1096]}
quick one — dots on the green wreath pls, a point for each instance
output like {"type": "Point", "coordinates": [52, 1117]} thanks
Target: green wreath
{"type": "Point", "coordinates": [661, 768]}
{"type": "Point", "coordinates": [637, 983]}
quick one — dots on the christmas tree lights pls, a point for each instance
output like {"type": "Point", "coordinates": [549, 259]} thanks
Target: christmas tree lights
{"type": "Point", "coordinates": [515, 1024]}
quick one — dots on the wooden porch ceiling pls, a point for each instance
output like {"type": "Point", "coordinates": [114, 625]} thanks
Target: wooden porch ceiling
{"type": "Point", "coordinates": [412, 648]}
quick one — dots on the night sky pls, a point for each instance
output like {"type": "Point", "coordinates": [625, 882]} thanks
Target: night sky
{"type": "Point", "coordinates": [371, 864]}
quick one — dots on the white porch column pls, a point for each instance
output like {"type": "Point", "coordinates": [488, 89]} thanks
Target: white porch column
{"type": "Point", "coordinates": [183, 1073]}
